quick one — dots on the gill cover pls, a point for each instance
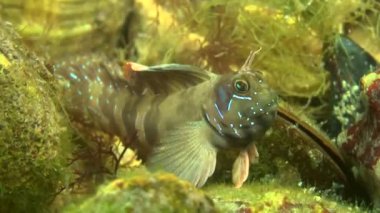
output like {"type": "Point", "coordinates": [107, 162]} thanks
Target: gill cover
{"type": "Point", "coordinates": [242, 106]}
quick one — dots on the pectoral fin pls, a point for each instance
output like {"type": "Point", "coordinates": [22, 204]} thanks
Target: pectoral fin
{"type": "Point", "coordinates": [240, 169]}
{"type": "Point", "coordinates": [253, 154]}
{"type": "Point", "coordinates": [185, 152]}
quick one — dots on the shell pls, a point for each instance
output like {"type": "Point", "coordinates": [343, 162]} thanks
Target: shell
{"type": "Point", "coordinates": [361, 142]}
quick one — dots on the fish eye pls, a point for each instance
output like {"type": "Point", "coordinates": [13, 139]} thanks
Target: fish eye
{"type": "Point", "coordinates": [241, 85]}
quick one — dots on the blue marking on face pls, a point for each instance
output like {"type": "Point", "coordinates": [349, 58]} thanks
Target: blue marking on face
{"type": "Point", "coordinates": [243, 107]}
{"type": "Point", "coordinates": [241, 97]}
{"type": "Point", "coordinates": [219, 112]}
{"type": "Point", "coordinates": [229, 105]}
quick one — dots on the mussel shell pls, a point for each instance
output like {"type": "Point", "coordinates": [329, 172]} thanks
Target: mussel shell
{"type": "Point", "coordinates": [347, 62]}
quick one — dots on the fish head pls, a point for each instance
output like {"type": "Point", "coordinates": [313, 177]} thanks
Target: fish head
{"type": "Point", "coordinates": [241, 108]}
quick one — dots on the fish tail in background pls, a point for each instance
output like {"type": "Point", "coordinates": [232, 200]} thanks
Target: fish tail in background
{"type": "Point", "coordinates": [94, 94]}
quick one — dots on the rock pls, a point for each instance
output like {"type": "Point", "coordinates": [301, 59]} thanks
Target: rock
{"type": "Point", "coordinates": [147, 193]}
{"type": "Point", "coordinates": [32, 168]}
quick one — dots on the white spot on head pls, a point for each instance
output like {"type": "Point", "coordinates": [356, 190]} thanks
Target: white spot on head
{"type": "Point", "coordinates": [207, 116]}
{"type": "Point", "coordinates": [219, 127]}
{"type": "Point", "coordinates": [99, 80]}
{"type": "Point", "coordinates": [236, 132]}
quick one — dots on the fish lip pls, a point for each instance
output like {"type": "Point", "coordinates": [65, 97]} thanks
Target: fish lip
{"type": "Point", "coordinates": [230, 137]}
{"type": "Point", "coordinates": [205, 117]}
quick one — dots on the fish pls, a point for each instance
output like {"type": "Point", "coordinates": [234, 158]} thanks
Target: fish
{"type": "Point", "coordinates": [181, 115]}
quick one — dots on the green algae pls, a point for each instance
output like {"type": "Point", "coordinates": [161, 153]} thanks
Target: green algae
{"type": "Point", "coordinates": [273, 196]}
{"type": "Point", "coordinates": [32, 151]}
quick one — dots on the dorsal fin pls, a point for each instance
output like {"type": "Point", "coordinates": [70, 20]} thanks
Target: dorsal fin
{"type": "Point", "coordinates": [163, 79]}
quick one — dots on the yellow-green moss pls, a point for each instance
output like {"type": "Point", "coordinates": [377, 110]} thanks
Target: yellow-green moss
{"type": "Point", "coordinates": [275, 197]}
{"type": "Point", "coordinates": [31, 148]}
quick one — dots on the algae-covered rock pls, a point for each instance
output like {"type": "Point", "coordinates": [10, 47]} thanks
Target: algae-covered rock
{"type": "Point", "coordinates": [31, 147]}
{"type": "Point", "coordinates": [147, 193]}
{"type": "Point", "coordinates": [273, 196]}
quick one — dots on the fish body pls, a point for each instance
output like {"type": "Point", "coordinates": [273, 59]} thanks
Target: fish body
{"type": "Point", "coordinates": [181, 115]}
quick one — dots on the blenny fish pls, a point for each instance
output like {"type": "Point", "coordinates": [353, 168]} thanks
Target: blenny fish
{"type": "Point", "coordinates": [181, 115]}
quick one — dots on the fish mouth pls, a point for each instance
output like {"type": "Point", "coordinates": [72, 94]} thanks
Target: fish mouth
{"type": "Point", "coordinates": [238, 141]}
{"type": "Point", "coordinates": [206, 118]}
